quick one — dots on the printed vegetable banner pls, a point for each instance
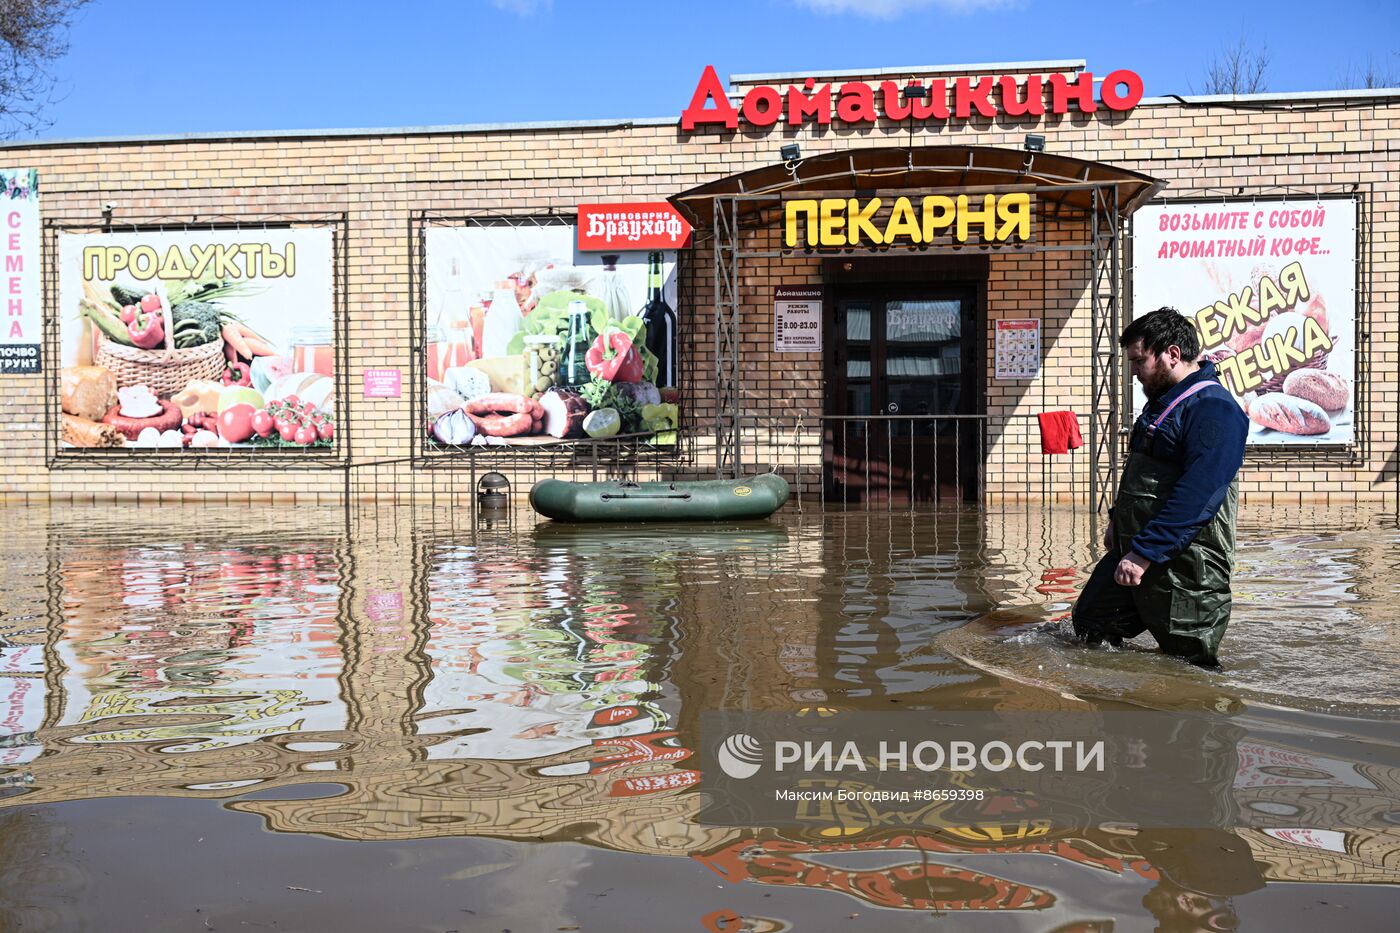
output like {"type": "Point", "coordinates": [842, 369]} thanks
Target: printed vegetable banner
{"type": "Point", "coordinates": [1271, 287]}
{"type": "Point", "coordinates": [192, 340]}
{"type": "Point", "coordinates": [530, 342]}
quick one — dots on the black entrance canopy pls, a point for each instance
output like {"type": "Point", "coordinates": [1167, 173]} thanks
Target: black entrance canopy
{"type": "Point", "coordinates": [1062, 184]}
{"type": "Point", "coordinates": [1092, 197]}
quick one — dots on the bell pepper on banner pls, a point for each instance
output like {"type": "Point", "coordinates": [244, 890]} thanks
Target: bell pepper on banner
{"type": "Point", "coordinates": [614, 357]}
{"type": "Point", "coordinates": [238, 373]}
{"type": "Point", "coordinates": [146, 331]}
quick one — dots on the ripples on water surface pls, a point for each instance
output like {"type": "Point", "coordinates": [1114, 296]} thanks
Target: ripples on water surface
{"type": "Point", "coordinates": [512, 714]}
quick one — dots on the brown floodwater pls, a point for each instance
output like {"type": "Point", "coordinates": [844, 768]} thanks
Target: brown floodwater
{"type": "Point", "coordinates": [385, 719]}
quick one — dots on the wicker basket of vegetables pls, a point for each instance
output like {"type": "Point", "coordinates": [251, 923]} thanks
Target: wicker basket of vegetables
{"type": "Point", "coordinates": [165, 371]}
{"type": "Point", "coordinates": [164, 342]}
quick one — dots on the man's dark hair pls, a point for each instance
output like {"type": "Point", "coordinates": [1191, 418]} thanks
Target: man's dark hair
{"type": "Point", "coordinates": [1165, 327]}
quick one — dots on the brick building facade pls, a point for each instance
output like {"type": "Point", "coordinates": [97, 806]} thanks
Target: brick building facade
{"type": "Point", "coordinates": [377, 182]}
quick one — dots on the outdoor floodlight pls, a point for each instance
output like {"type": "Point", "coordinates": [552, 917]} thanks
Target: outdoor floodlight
{"type": "Point", "coordinates": [791, 152]}
{"type": "Point", "coordinates": [493, 491]}
{"type": "Point", "coordinates": [1035, 142]}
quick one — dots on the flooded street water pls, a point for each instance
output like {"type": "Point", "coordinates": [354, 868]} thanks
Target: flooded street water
{"type": "Point", "coordinates": [299, 719]}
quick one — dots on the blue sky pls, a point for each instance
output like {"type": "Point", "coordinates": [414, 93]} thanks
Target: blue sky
{"type": "Point", "coordinates": [140, 67]}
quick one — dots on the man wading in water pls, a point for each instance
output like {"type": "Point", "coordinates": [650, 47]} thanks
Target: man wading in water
{"type": "Point", "coordinates": [1171, 531]}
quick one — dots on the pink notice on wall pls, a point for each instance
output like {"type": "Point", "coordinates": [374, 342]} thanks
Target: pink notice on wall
{"type": "Point", "coordinates": [383, 383]}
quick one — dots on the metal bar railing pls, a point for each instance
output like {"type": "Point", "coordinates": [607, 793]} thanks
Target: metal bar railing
{"type": "Point", "coordinates": [885, 461]}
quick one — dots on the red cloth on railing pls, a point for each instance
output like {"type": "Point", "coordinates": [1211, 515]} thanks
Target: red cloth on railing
{"type": "Point", "coordinates": [1059, 432]}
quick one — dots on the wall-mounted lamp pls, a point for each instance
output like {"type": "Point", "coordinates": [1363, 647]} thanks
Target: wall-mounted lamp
{"type": "Point", "coordinates": [791, 152]}
{"type": "Point", "coordinates": [914, 89]}
{"type": "Point", "coordinates": [1035, 142]}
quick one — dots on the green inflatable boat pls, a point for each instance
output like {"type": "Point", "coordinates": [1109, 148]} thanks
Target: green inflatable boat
{"type": "Point", "coordinates": [699, 501]}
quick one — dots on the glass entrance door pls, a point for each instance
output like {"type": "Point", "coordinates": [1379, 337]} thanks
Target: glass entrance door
{"type": "Point", "coordinates": [903, 363]}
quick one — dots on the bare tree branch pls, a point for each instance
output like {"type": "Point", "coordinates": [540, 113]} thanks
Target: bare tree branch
{"type": "Point", "coordinates": [1369, 75]}
{"type": "Point", "coordinates": [1238, 69]}
{"type": "Point", "coordinates": [32, 37]}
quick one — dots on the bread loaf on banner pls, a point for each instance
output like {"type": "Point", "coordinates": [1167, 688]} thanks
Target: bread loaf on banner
{"type": "Point", "coordinates": [1289, 414]}
{"type": "Point", "coordinates": [1326, 390]}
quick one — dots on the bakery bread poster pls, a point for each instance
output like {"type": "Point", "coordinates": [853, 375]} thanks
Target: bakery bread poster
{"type": "Point", "coordinates": [184, 340]}
{"type": "Point", "coordinates": [530, 342]}
{"type": "Point", "coordinates": [1271, 288]}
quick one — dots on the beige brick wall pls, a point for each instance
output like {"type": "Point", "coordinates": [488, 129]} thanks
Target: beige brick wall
{"type": "Point", "coordinates": [380, 182]}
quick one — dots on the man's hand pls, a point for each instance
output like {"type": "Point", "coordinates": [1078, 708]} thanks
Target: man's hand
{"type": "Point", "coordinates": [1130, 569]}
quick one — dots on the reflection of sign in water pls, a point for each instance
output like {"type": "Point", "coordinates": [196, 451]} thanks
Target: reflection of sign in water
{"type": "Point", "coordinates": [22, 659]}
{"type": "Point", "coordinates": [232, 715]}
{"type": "Point", "coordinates": [654, 783]}
{"type": "Point", "coordinates": [202, 683]}
{"type": "Point", "coordinates": [21, 713]}
{"type": "Point", "coordinates": [1268, 766]}
{"type": "Point", "coordinates": [384, 606]}
{"type": "Point", "coordinates": [1328, 840]}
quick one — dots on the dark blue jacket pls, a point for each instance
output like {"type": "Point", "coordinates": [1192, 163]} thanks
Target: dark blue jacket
{"type": "Point", "coordinates": [1205, 436]}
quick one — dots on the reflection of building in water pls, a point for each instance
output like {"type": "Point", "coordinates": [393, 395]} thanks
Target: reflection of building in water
{"type": "Point", "coordinates": [23, 642]}
{"type": "Point", "coordinates": [41, 882]}
{"type": "Point", "coordinates": [196, 667]}
{"type": "Point", "coordinates": [842, 614]}
{"type": "Point", "coordinates": [926, 876]}
{"type": "Point", "coordinates": [22, 694]}
{"type": "Point", "coordinates": [1350, 856]}
{"type": "Point", "coordinates": [537, 717]}
{"type": "Point", "coordinates": [535, 657]}
{"type": "Point", "coordinates": [749, 632]}
{"type": "Point", "coordinates": [889, 586]}
{"type": "Point", "coordinates": [603, 758]}
{"type": "Point", "coordinates": [1289, 793]}
{"type": "Point", "coordinates": [1035, 556]}
{"type": "Point", "coordinates": [197, 648]}
{"type": "Point", "coordinates": [507, 799]}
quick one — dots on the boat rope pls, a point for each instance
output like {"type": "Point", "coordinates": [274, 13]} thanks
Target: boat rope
{"type": "Point", "coordinates": [787, 448]}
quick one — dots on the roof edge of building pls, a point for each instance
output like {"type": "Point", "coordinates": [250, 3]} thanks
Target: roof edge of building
{"type": "Point", "coordinates": [1014, 67]}
{"type": "Point", "coordinates": [347, 133]}
{"type": "Point", "coordinates": [1378, 94]}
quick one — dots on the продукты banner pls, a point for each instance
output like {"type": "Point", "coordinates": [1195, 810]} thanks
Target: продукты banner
{"type": "Point", "coordinates": [197, 339]}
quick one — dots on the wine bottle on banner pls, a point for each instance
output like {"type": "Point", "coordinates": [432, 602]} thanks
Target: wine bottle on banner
{"type": "Point", "coordinates": [661, 324]}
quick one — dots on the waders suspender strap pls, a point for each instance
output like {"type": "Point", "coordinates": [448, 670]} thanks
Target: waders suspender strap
{"type": "Point", "coordinates": [1152, 428]}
